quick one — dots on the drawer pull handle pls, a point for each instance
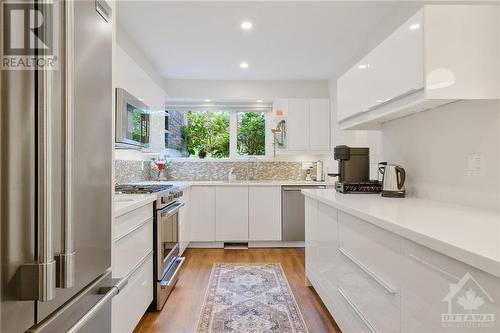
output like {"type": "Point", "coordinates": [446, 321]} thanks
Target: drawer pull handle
{"type": "Point", "coordinates": [434, 267]}
{"type": "Point", "coordinates": [357, 311]}
{"type": "Point", "coordinates": [132, 230]}
{"type": "Point", "coordinates": [367, 271]}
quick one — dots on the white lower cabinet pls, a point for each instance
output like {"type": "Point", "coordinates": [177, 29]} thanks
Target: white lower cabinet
{"type": "Point", "coordinates": [231, 212]}
{"type": "Point", "coordinates": [131, 303]}
{"type": "Point", "coordinates": [132, 259]}
{"type": "Point", "coordinates": [184, 222]}
{"type": "Point", "coordinates": [436, 288]}
{"type": "Point", "coordinates": [264, 213]}
{"type": "Point", "coordinates": [202, 213]}
{"type": "Point", "coordinates": [372, 280]}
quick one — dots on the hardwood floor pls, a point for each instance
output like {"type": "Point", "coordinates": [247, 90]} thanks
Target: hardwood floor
{"type": "Point", "coordinates": [180, 314]}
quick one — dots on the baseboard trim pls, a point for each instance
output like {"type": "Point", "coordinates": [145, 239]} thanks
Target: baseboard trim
{"type": "Point", "coordinates": [206, 245]}
{"type": "Point", "coordinates": [275, 244]}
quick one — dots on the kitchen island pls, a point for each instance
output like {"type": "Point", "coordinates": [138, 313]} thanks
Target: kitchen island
{"type": "Point", "coordinates": [399, 265]}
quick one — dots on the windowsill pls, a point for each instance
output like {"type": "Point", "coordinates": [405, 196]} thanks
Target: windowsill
{"type": "Point", "coordinates": [229, 159]}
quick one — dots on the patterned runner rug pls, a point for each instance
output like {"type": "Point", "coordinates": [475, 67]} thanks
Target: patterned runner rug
{"type": "Point", "coordinates": [249, 298]}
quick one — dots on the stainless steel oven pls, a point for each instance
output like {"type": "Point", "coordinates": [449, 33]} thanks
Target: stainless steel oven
{"type": "Point", "coordinates": [132, 121]}
{"type": "Point", "coordinates": [168, 261]}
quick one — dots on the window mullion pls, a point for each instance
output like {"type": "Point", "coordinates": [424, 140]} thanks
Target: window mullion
{"type": "Point", "coordinates": [233, 133]}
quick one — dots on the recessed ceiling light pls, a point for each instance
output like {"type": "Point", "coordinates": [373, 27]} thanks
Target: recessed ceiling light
{"type": "Point", "coordinates": [364, 66]}
{"type": "Point", "coordinates": [246, 25]}
{"type": "Point", "coordinates": [207, 100]}
{"type": "Point", "coordinates": [414, 26]}
{"type": "Point", "coordinates": [244, 65]}
{"type": "Point", "coordinates": [259, 101]}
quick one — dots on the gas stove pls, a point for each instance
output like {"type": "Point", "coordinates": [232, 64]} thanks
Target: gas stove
{"type": "Point", "coordinates": [369, 187]}
{"type": "Point", "coordinates": [142, 189]}
{"type": "Point", "coordinates": [166, 193]}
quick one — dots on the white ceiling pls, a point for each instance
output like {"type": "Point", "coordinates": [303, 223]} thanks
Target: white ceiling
{"type": "Point", "coordinates": [289, 40]}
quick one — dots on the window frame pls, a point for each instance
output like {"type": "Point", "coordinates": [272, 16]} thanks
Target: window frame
{"type": "Point", "coordinates": [233, 135]}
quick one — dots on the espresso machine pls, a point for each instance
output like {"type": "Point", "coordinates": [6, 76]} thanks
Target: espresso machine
{"type": "Point", "coordinates": [354, 171]}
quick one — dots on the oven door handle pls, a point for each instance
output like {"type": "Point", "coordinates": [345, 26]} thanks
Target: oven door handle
{"type": "Point", "coordinates": [174, 209]}
{"type": "Point", "coordinates": [167, 284]}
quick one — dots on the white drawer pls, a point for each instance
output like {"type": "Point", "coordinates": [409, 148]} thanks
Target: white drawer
{"type": "Point", "coordinates": [128, 221]}
{"type": "Point", "coordinates": [130, 248]}
{"type": "Point", "coordinates": [377, 249]}
{"type": "Point", "coordinates": [375, 303]}
{"type": "Point", "coordinates": [429, 279]}
{"type": "Point", "coordinates": [131, 303]}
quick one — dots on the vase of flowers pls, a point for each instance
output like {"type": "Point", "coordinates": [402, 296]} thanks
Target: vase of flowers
{"type": "Point", "coordinates": [163, 168]}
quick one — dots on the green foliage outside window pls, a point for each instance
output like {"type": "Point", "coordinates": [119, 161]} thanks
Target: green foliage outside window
{"type": "Point", "coordinates": [251, 133]}
{"type": "Point", "coordinates": [207, 131]}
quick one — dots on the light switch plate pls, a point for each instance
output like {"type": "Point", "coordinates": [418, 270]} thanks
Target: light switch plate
{"type": "Point", "coordinates": [475, 165]}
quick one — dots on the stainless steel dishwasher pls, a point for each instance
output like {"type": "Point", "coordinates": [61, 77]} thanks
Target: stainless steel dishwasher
{"type": "Point", "coordinates": [292, 212]}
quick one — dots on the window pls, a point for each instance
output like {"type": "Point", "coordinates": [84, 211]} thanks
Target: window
{"type": "Point", "coordinates": [208, 132]}
{"type": "Point", "coordinates": [251, 134]}
{"type": "Point", "coordinates": [224, 133]}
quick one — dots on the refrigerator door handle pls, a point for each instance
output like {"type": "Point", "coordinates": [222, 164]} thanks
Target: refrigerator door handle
{"type": "Point", "coordinates": [37, 280]}
{"type": "Point", "coordinates": [65, 260]}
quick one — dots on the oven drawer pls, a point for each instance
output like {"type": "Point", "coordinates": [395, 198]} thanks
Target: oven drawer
{"type": "Point", "coordinates": [131, 247]}
{"type": "Point", "coordinates": [132, 302]}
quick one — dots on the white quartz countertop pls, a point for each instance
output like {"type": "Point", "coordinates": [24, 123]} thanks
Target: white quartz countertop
{"type": "Point", "coordinates": [463, 233]}
{"type": "Point", "coordinates": [184, 184]}
{"type": "Point", "coordinates": [125, 203]}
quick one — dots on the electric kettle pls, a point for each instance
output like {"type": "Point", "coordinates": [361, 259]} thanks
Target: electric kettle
{"type": "Point", "coordinates": [393, 180]}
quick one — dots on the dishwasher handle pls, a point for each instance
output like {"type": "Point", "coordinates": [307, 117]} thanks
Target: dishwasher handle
{"type": "Point", "coordinates": [298, 189]}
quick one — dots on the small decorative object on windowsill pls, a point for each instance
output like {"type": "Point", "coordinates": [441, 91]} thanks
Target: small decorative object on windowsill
{"type": "Point", "coordinates": [163, 168]}
{"type": "Point", "coordinates": [202, 153]}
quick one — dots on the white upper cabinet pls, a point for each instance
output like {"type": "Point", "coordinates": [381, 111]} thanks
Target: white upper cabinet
{"type": "Point", "coordinates": [319, 124]}
{"type": "Point", "coordinates": [297, 124]}
{"type": "Point", "coordinates": [307, 124]}
{"type": "Point", "coordinates": [441, 54]}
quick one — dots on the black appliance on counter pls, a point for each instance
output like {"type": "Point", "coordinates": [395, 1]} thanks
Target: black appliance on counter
{"type": "Point", "coordinates": [354, 171]}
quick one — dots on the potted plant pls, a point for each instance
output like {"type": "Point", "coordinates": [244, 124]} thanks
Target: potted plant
{"type": "Point", "coordinates": [202, 153]}
{"type": "Point", "coordinates": [163, 168]}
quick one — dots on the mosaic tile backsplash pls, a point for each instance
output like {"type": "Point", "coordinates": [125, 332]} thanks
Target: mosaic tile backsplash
{"type": "Point", "coordinates": [127, 171]}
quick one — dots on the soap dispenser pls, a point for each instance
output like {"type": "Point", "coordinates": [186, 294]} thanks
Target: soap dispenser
{"type": "Point", "coordinates": [231, 176]}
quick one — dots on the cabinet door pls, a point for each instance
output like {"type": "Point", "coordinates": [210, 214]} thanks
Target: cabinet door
{"type": "Point", "coordinates": [319, 124]}
{"type": "Point", "coordinates": [264, 213]}
{"type": "Point", "coordinates": [393, 69]}
{"type": "Point", "coordinates": [184, 223]}
{"type": "Point", "coordinates": [297, 124]}
{"type": "Point", "coordinates": [311, 233]}
{"type": "Point", "coordinates": [231, 213]}
{"type": "Point", "coordinates": [202, 213]}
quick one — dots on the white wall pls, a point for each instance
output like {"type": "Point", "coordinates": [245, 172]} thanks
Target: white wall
{"type": "Point", "coordinates": [131, 76]}
{"type": "Point", "coordinates": [370, 139]}
{"type": "Point", "coordinates": [245, 90]}
{"type": "Point", "coordinates": [434, 147]}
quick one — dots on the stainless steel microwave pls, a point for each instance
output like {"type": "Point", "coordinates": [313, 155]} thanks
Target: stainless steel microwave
{"type": "Point", "coordinates": [132, 121]}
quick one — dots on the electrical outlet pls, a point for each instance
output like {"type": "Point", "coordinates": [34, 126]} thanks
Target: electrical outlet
{"type": "Point", "coordinates": [475, 165]}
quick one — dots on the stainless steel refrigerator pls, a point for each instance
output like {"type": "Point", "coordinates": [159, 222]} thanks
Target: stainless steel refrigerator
{"type": "Point", "coordinates": [56, 181]}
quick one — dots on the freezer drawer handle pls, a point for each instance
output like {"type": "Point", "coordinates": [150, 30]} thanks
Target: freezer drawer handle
{"type": "Point", "coordinates": [357, 311]}
{"type": "Point", "coordinates": [109, 293]}
{"type": "Point", "coordinates": [381, 282]}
